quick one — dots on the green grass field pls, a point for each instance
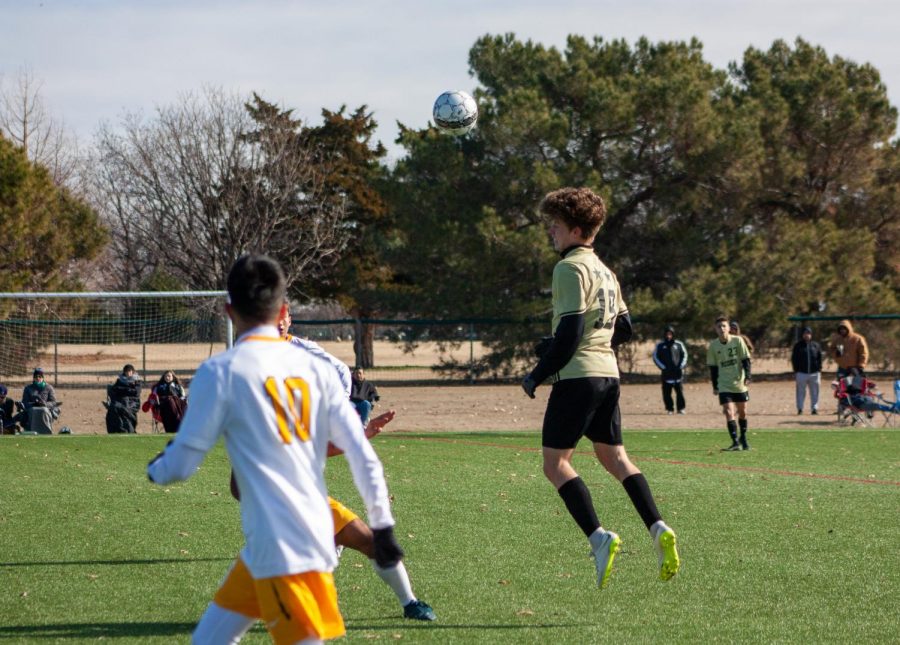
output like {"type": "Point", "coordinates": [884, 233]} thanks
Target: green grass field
{"type": "Point", "coordinates": [795, 541]}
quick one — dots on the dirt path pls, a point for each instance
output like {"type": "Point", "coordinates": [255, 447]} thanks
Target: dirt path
{"type": "Point", "coordinates": [462, 408]}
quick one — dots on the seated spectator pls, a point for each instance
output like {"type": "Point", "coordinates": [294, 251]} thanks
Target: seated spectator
{"type": "Point", "coordinates": [167, 401]}
{"type": "Point", "coordinates": [41, 408]}
{"type": "Point", "coordinates": [9, 412]}
{"type": "Point", "coordinates": [123, 402]}
{"type": "Point", "coordinates": [362, 394]}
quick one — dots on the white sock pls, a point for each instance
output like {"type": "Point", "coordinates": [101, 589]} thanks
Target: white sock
{"type": "Point", "coordinates": [597, 537]}
{"type": "Point", "coordinates": [398, 580]}
{"type": "Point", "coordinates": [219, 625]}
{"type": "Point", "coordinates": [657, 527]}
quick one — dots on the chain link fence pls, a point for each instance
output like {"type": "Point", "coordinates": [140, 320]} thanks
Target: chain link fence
{"type": "Point", "coordinates": [417, 352]}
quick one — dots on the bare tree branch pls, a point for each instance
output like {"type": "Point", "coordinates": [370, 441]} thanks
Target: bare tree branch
{"type": "Point", "coordinates": [25, 120]}
{"type": "Point", "coordinates": [189, 191]}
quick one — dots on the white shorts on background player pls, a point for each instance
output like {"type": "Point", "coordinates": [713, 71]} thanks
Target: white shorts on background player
{"type": "Point", "coordinates": [280, 476]}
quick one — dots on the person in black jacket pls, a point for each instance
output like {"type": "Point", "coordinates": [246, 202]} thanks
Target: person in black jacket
{"type": "Point", "coordinates": [806, 360]}
{"type": "Point", "coordinates": [9, 412]}
{"type": "Point", "coordinates": [670, 357]}
{"type": "Point", "coordinates": [363, 394]}
{"type": "Point", "coordinates": [124, 401]}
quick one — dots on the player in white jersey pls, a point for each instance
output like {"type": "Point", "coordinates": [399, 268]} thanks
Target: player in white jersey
{"type": "Point", "coordinates": [277, 409]}
{"type": "Point", "coordinates": [349, 530]}
{"type": "Point", "coordinates": [284, 326]}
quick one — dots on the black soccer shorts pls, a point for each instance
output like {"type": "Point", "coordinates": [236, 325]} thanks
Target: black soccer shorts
{"type": "Point", "coordinates": [583, 407]}
{"type": "Point", "coordinates": [733, 397]}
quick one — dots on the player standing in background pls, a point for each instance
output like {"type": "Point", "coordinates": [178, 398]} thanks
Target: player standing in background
{"type": "Point", "coordinates": [729, 368]}
{"type": "Point", "coordinates": [277, 408]}
{"type": "Point", "coordinates": [349, 530]}
{"type": "Point", "coordinates": [589, 319]}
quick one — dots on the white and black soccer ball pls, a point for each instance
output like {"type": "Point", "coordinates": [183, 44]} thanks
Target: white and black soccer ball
{"type": "Point", "coordinates": [455, 112]}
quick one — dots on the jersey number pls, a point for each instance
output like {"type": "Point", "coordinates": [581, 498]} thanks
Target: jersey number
{"type": "Point", "coordinates": [291, 416]}
{"type": "Point", "coordinates": [602, 297]}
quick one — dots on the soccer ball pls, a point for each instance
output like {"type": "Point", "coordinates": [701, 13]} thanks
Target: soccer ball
{"type": "Point", "coordinates": [455, 112]}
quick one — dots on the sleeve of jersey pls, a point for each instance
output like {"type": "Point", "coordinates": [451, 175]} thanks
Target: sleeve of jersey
{"type": "Point", "coordinates": [346, 379]}
{"type": "Point", "coordinates": [655, 357]}
{"type": "Point", "coordinates": [568, 290]}
{"type": "Point", "coordinates": [368, 474]}
{"type": "Point", "coordinates": [175, 464]}
{"type": "Point", "coordinates": [562, 348]}
{"type": "Point", "coordinates": [684, 355]}
{"type": "Point", "coordinates": [203, 422]}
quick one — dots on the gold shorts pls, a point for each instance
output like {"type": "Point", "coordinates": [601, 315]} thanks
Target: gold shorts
{"type": "Point", "coordinates": [293, 608]}
{"type": "Point", "coordinates": [341, 515]}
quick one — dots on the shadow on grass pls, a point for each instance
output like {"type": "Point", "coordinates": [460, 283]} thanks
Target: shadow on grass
{"type": "Point", "coordinates": [444, 626]}
{"type": "Point", "coordinates": [147, 629]}
{"type": "Point", "coordinates": [381, 623]}
{"type": "Point", "coordinates": [77, 563]}
{"type": "Point", "coordinates": [96, 630]}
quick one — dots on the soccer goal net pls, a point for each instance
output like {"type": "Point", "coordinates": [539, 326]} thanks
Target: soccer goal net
{"type": "Point", "coordinates": [84, 339]}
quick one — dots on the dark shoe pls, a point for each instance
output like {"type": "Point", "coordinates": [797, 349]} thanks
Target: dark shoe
{"type": "Point", "coordinates": [732, 448]}
{"type": "Point", "coordinates": [814, 412]}
{"type": "Point", "coordinates": [418, 610]}
{"type": "Point", "coordinates": [744, 444]}
{"type": "Point", "coordinates": [799, 411]}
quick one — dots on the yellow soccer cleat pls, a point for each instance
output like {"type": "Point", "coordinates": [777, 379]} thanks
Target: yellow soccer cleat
{"type": "Point", "coordinates": [666, 551]}
{"type": "Point", "coordinates": [604, 553]}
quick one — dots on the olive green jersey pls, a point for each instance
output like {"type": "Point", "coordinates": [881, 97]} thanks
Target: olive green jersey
{"type": "Point", "coordinates": [582, 284]}
{"type": "Point", "coordinates": [727, 357]}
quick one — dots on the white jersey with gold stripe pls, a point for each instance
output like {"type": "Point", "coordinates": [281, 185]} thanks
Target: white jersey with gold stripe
{"type": "Point", "coordinates": [277, 407]}
{"type": "Point", "coordinates": [314, 348]}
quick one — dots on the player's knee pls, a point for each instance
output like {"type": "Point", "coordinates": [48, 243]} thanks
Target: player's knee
{"type": "Point", "coordinates": [557, 472]}
{"type": "Point", "coordinates": [551, 470]}
{"type": "Point", "coordinates": [616, 462]}
{"type": "Point", "coordinates": [357, 536]}
{"type": "Point", "coordinates": [220, 625]}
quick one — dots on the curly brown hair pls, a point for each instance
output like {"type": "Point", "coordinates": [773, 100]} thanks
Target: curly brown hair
{"type": "Point", "coordinates": [580, 207]}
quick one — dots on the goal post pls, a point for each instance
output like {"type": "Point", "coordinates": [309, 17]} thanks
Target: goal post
{"type": "Point", "coordinates": [83, 339]}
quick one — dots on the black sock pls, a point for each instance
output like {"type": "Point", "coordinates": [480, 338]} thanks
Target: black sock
{"type": "Point", "coordinates": [581, 507]}
{"type": "Point", "coordinates": [732, 430]}
{"type": "Point", "coordinates": [743, 424]}
{"type": "Point", "coordinates": [639, 491]}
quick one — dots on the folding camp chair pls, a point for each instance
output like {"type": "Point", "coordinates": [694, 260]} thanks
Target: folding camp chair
{"type": "Point", "coordinates": [890, 409]}
{"type": "Point", "coordinates": [857, 400]}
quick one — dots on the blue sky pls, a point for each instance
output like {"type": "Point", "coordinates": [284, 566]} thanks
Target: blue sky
{"type": "Point", "coordinates": [99, 58]}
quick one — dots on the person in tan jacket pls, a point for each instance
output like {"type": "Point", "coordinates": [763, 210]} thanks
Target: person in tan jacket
{"type": "Point", "coordinates": [849, 350]}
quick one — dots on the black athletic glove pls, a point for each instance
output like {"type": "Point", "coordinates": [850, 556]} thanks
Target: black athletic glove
{"type": "Point", "coordinates": [542, 346]}
{"type": "Point", "coordinates": [387, 551]}
{"type": "Point", "coordinates": [529, 385]}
